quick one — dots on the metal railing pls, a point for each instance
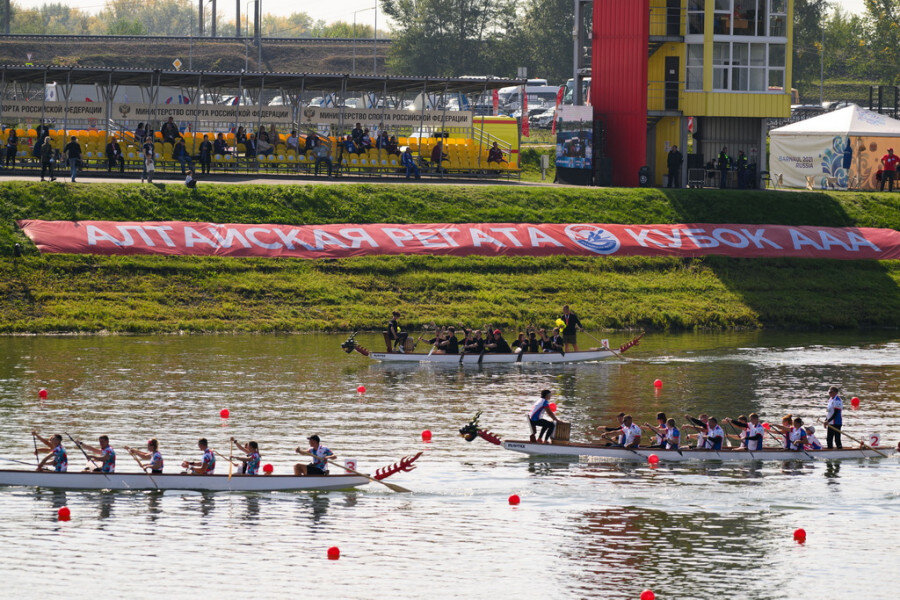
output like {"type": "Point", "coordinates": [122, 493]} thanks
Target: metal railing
{"type": "Point", "coordinates": [665, 95]}
{"type": "Point", "coordinates": [667, 22]}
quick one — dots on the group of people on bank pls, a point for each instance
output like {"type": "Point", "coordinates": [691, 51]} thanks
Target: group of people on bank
{"type": "Point", "coordinates": [490, 339]}
{"type": "Point", "coordinates": [749, 432]}
{"type": "Point", "coordinates": [103, 457]}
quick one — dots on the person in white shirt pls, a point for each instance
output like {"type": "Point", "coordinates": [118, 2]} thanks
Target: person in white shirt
{"type": "Point", "coordinates": [660, 430]}
{"type": "Point", "coordinates": [715, 435]}
{"type": "Point", "coordinates": [630, 433]}
{"type": "Point", "coordinates": [293, 142]}
{"type": "Point", "coordinates": [701, 426]}
{"type": "Point", "coordinates": [834, 417]}
{"type": "Point", "coordinates": [752, 433]}
{"type": "Point", "coordinates": [797, 437]}
{"type": "Point", "coordinates": [812, 440]}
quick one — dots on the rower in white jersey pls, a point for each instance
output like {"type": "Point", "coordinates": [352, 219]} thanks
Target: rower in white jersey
{"type": "Point", "coordinates": [630, 434]}
{"type": "Point", "coordinates": [673, 436]}
{"type": "Point", "coordinates": [700, 425]}
{"type": "Point", "coordinates": [715, 435]}
{"type": "Point", "coordinates": [797, 436]}
{"type": "Point", "coordinates": [752, 432]}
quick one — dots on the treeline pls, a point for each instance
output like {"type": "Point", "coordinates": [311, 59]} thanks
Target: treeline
{"type": "Point", "coordinates": [170, 17]}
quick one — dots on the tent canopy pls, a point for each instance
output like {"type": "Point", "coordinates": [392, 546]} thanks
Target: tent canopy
{"type": "Point", "coordinates": [851, 120]}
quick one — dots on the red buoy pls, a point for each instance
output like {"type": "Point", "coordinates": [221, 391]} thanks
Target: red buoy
{"type": "Point", "coordinates": [514, 500]}
{"type": "Point", "coordinates": [657, 384]}
{"type": "Point", "coordinates": [42, 394]}
{"type": "Point", "coordinates": [334, 553]}
{"type": "Point", "coordinates": [426, 435]}
{"type": "Point", "coordinates": [267, 469]}
{"type": "Point", "coordinates": [224, 413]}
{"type": "Point", "coordinates": [766, 426]}
{"type": "Point", "coordinates": [653, 459]}
{"type": "Point", "coordinates": [361, 389]}
{"type": "Point", "coordinates": [552, 406]}
{"type": "Point", "coordinates": [648, 595]}
{"type": "Point", "coordinates": [64, 514]}
{"type": "Point", "coordinates": [854, 402]}
{"type": "Point", "coordinates": [800, 535]}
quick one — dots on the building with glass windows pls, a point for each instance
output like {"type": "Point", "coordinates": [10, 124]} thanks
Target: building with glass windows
{"type": "Point", "coordinates": [715, 70]}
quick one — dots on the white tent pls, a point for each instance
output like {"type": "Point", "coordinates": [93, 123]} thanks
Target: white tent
{"type": "Point", "coordinates": [814, 152]}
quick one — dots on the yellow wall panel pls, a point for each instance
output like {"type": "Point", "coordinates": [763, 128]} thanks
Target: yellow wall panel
{"type": "Point", "coordinates": [726, 104]}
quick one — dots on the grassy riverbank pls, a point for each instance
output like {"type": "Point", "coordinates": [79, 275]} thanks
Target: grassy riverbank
{"type": "Point", "coordinates": [148, 294]}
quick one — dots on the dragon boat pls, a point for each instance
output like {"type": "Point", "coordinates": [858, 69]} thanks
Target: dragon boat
{"type": "Point", "coordinates": [391, 356]}
{"type": "Point", "coordinates": [561, 446]}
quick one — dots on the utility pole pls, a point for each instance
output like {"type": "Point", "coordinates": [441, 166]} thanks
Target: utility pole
{"type": "Point", "coordinates": [200, 16]}
{"type": "Point", "coordinates": [375, 43]}
{"type": "Point", "coordinates": [7, 16]}
{"type": "Point", "coordinates": [237, 18]}
{"type": "Point", "coordinates": [822, 69]}
{"type": "Point", "coordinates": [258, 25]}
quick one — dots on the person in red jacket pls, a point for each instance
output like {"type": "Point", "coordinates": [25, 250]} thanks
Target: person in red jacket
{"type": "Point", "coordinates": [889, 161]}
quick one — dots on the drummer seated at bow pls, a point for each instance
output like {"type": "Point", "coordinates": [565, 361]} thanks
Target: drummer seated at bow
{"type": "Point", "coordinates": [630, 436]}
{"type": "Point", "coordinates": [56, 454]}
{"type": "Point", "coordinates": [498, 344]}
{"type": "Point", "coordinates": [536, 420]}
{"type": "Point", "coordinates": [105, 454]}
{"type": "Point", "coordinates": [153, 454]}
{"type": "Point", "coordinates": [320, 455]}
{"type": "Point", "coordinates": [204, 466]}
{"type": "Point", "coordinates": [250, 462]}
{"type": "Point", "coordinates": [396, 335]}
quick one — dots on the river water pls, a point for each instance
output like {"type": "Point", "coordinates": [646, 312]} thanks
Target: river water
{"type": "Point", "coordinates": [584, 529]}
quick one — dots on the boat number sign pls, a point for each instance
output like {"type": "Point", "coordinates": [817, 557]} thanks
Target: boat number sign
{"type": "Point", "coordinates": [461, 239]}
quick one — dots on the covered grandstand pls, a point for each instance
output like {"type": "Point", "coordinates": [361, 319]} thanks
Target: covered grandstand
{"type": "Point", "coordinates": [95, 104]}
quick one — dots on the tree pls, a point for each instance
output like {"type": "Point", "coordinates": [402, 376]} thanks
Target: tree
{"type": "Point", "coordinates": [126, 27]}
{"type": "Point", "coordinates": [884, 36]}
{"type": "Point", "coordinates": [447, 37]}
{"type": "Point", "coordinates": [809, 16]}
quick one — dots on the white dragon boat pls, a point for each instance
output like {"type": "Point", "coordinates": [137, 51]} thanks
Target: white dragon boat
{"type": "Point", "coordinates": [489, 357]}
{"type": "Point", "coordinates": [558, 448]}
{"type": "Point", "coordinates": [84, 480]}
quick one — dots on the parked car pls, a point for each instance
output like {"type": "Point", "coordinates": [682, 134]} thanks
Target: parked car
{"type": "Point", "coordinates": [543, 120]}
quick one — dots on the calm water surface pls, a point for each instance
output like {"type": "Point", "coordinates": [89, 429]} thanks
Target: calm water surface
{"type": "Point", "coordinates": [584, 529]}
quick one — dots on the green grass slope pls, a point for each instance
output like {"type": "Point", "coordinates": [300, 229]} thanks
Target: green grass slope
{"type": "Point", "coordinates": [163, 294]}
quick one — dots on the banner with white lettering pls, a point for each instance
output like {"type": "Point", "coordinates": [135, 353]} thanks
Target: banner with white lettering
{"type": "Point", "coordinates": [223, 113]}
{"type": "Point", "coordinates": [461, 239]}
{"type": "Point", "coordinates": [390, 117]}
{"type": "Point", "coordinates": [30, 110]}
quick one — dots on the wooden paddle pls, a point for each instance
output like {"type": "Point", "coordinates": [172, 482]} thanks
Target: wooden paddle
{"type": "Point", "coordinates": [21, 462]}
{"type": "Point", "coordinates": [780, 441]}
{"type": "Point", "coordinates": [860, 442]}
{"type": "Point", "coordinates": [230, 458]}
{"type": "Point", "coordinates": [36, 457]}
{"type": "Point", "coordinates": [141, 465]}
{"type": "Point", "coordinates": [605, 347]}
{"type": "Point", "coordinates": [90, 460]}
{"type": "Point", "coordinates": [392, 486]}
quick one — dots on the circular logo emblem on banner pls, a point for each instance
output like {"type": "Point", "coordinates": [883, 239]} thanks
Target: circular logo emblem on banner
{"type": "Point", "coordinates": [593, 238]}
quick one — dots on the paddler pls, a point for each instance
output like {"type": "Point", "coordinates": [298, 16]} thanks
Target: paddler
{"type": "Point", "coordinates": [619, 417]}
{"type": "Point", "coordinates": [153, 454]}
{"type": "Point", "coordinates": [659, 430]}
{"type": "Point", "coordinates": [785, 430]}
{"type": "Point", "coordinates": [753, 432]}
{"type": "Point", "coordinates": [251, 461]}
{"type": "Point", "coordinates": [449, 344]}
{"type": "Point", "coordinates": [797, 436]}
{"type": "Point", "coordinates": [630, 434]}
{"type": "Point", "coordinates": [535, 419]}
{"type": "Point", "coordinates": [205, 466]}
{"type": "Point", "coordinates": [715, 435]}
{"type": "Point", "coordinates": [834, 417]}
{"type": "Point", "coordinates": [56, 454]}
{"type": "Point", "coordinates": [498, 344]}
{"type": "Point", "coordinates": [700, 425]}
{"type": "Point", "coordinates": [476, 344]}
{"type": "Point", "coordinates": [319, 465]}
{"type": "Point", "coordinates": [572, 325]}
{"type": "Point", "coordinates": [398, 337]}
{"type": "Point", "coordinates": [104, 453]}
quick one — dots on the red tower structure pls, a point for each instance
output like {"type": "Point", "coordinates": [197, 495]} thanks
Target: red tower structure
{"type": "Point", "coordinates": [621, 30]}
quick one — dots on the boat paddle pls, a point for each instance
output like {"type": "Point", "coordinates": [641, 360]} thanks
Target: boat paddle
{"type": "Point", "coordinates": [606, 347]}
{"type": "Point", "coordinates": [89, 459]}
{"type": "Point", "coordinates": [233, 464]}
{"type": "Point", "coordinates": [36, 457]}
{"type": "Point", "coordinates": [392, 486]}
{"type": "Point", "coordinates": [21, 462]}
{"type": "Point", "coordinates": [230, 458]}
{"type": "Point", "coordinates": [860, 442]}
{"type": "Point", "coordinates": [141, 465]}
{"type": "Point", "coordinates": [780, 442]}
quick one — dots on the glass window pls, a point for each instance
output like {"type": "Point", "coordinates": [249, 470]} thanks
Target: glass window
{"type": "Point", "coordinates": [744, 17]}
{"type": "Point", "coordinates": [697, 5]}
{"type": "Point", "coordinates": [757, 80]}
{"type": "Point", "coordinates": [721, 53]}
{"type": "Point", "coordinates": [696, 23]}
{"type": "Point", "coordinates": [776, 55]}
{"type": "Point", "coordinates": [724, 5]}
{"type": "Point", "coordinates": [740, 54]}
{"type": "Point", "coordinates": [757, 55]}
{"type": "Point", "coordinates": [778, 6]}
{"type": "Point", "coordinates": [777, 26]}
{"type": "Point", "coordinates": [694, 79]}
{"type": "Point", "coordinates": [695, 55]}
{"type": "Point", "coordinates": [720, 78]}
{"type": "Point", "coordinates": [776, 78]}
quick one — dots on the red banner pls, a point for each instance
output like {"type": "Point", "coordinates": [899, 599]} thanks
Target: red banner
{"type": "Point", "coordinates": [525, 125]}
{"type": "Point", "coordinates": [559, 99]}
{"type": "Point", "coordinates": [461, 239]}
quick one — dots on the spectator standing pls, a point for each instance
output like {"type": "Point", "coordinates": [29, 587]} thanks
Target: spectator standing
{"type": "Point", "coordinates": [114, 156]}
{"type": "Point", "coordinates": [356, 133]}
{"type": "Point", "coordinates": [206, 151]}
{"type": "Point", "coordinates": [889, 169]}
{"type": "Point", "coordinates": [47, 159]}
{"type": "Point", "coordinates": [723, 163]}
{"type": "Point", "coordinates": [149, 162]}
{"type": "Point", "coordinates": [170, 131]}
{"type": "Point", "coordinates": [674, 161]}
{"type": "Point", "coordinates": [72, 152]}
{"type": "Point", "coordinates": [741, 167]}
{"type": "Point", "coordinates": [12, 147]}
{"type": "Point", "coordinates": [140, 133]}
{"type": "Point", "coordinates": [42, 132]}
{"type": "Point", "coordinates": [408, 160]}
{"type": "Point", "coordinates": [437, 155]}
